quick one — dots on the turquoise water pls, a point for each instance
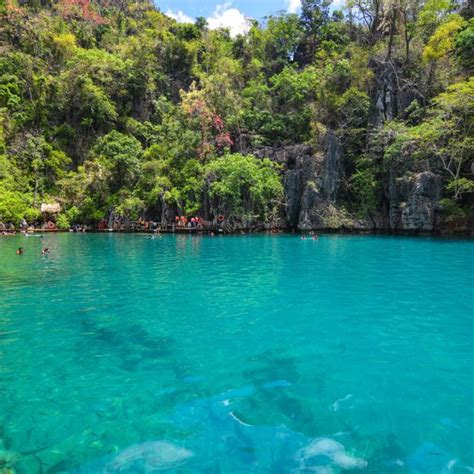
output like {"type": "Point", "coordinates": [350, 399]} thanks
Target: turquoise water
{"type": "Point", "coordinates": [262, 354]}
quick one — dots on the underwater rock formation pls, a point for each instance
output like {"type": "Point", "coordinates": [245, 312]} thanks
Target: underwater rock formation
{"type": "Point", "coordinates": [225, 442]}
{"type": "Point", "coordinates": [327, 453]}
{"type": "Point", "coordinates": [430, 458]}
{"type": "Point", "coordinates": [148, 457]}
{"type": "Point", "coordinates": [220, 439]}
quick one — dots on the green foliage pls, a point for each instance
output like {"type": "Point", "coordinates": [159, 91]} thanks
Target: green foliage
{"type": "Point", "coordinates": [441, 42]}
{"type": "Point", "coordinates": [120, 155]}
{"type": "Point", "coordinates": [115, 105]}
{"type": "Point", "coordinates": [314, 17]}
{"type": "Point", "coordinates": [131, 207]}
{"type": "Point", "coordinates": [353, 108]}
{"type": "Point", "coordinates": [452, 210]}
{"type": "Point", "coordinates": [444, 138]}
{"type": "Point", "coordinates": [16, 205]}
{"type": "Point", "coordinates": [447, 134]}
{"type": "Point", "coordinates": [364, 186]}
{"type": "Point", "coordinates": [464, 46]}
{"type": "Point", "coordinates": [62, 222]}
{"type": "Point", "coordinates": [431, 15]}
{"type": "Point", "coordinates": [242, 185]}
{"type": "Point", "coordinates": [280, 42]}
{"type": "Point", "coordinates": [461, 186]}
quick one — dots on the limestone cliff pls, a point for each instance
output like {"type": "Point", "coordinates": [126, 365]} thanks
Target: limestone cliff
{"type": "Point", "coordinates": [313, 177]}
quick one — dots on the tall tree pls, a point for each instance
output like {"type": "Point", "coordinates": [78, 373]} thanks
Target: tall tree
{"type": "Point", "coordinates": [314, 16]}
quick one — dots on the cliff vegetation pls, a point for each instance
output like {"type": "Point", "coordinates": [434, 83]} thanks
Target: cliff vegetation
{"type": "Point", "coordinates": [360, 118]}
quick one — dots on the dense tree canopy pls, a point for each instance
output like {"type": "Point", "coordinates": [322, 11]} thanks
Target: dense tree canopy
{"type": "Point", "coordinates": [115, 105]}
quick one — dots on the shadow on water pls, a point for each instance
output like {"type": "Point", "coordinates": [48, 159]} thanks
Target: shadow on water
{"type": "Point", "coordinates": [275, 375]}
{"type": "Point", "coordinates": [135, 346]}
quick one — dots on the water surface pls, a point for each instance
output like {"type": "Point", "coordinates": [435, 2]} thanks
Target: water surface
{"type": "Point", "coordinates": [262, 354]}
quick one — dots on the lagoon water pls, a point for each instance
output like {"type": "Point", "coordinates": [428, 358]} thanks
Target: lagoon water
{"type": "Point", "coordinates": [249, 354]}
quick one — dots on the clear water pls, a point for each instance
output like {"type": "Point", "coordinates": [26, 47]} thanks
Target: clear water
{"type": "Point", "coordinates": [262, 354]}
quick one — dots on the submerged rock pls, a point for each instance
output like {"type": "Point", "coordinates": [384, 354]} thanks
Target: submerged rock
{"type": "Point", "coordinates": [148, 457]}
{"type": "Point", "coordinates": [220, 438]}
{"type": "Point", "coordinates": [7, 459]}
{"type": "Point", "coordinates": [153, 455]}
{"type": "Point", "coordinates": [224, 441]}
{"type": "Point", "coordinates": [324, 455]}
{"type": "Point", "coordinates": [429, 458]}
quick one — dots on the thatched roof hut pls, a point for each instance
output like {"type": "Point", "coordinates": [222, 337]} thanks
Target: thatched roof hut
{"type": "Point", "coordinates": [53, 208]}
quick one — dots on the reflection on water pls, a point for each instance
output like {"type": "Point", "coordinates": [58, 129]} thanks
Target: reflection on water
{"type": "Point", "coordinates": [259, 354]}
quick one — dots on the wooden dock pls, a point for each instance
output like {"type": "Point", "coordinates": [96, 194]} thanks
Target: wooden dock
{"type": "Point", "coordinates": [208, 228]}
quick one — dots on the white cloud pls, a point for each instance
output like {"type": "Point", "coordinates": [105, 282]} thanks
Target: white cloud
{"type": "Point", "coordinates": [226, 17]}
{"type": "Point", "coordinates": [179, 16]}
{"type": "Point", "coordinates": [338, 4]}
{"type": "Point", "coordinates": [293, 5]}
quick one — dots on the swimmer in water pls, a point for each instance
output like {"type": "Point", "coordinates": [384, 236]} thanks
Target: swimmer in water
{"type": "Point", "coordinates": [20, 251]}
{"type": "Point", "coordinates": [45, 251]}
{"type": "Point", "coordinates": [315, 237]}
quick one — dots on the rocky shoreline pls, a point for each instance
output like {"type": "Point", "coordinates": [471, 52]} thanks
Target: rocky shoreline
{"type": "Point", "coordinates": [409, 201]}
{"type": "Point", "coordinates": [465, 233]}
{"type": "Point", "coordinates": [317, 198]}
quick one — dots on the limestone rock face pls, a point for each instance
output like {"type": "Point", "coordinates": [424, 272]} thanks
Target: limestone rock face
{"type": "Point", "coordinates": [390, 96]}
{"type": "Point", "coordinates": [414, 201]}
{"type": "Point", "coordinates": [299, 166]}
{"type": "Point", "coordinates": [420, 211]}
{"type": "Point", "coordinates": [311, 180]}
{"type": "Point", "coordinates": [315, 198]}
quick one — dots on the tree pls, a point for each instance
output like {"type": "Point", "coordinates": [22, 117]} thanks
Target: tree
{"type": "Point", "coordinates": [16, 205]}
{"type": "Point", "coordinates": [242, 186]}
{"type": "Point", "coordinates": [121, 155]}
{"type": "Point", "coordinates": [441, 42]}
{"type": "Point", "coordinates": [43, 163]}
{"type": "Point", "coordinates": [464, 46]}
{"type": "Point", "coordinates": [281, 38]}
{"type": "Point", "coordinates": [314, 16]}
{"type": "Point", "coordinates": [449, 134]}
{"type": "Point", "coordinates": [211, 125]}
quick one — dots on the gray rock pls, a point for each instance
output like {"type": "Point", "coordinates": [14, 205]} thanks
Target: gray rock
{"type": "Point", "coordinates": [414, 201]}
{"type": "Point", "coordinates": [391, 96]}
{"type": "Point", "coordinates": [311, 180]}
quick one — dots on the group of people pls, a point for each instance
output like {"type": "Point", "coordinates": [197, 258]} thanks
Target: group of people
{"type": "Point", "coordinates": [7, 229]}
{"type": "Point", "coordinates": [312, 236]}
{"type": "Point", "coordinates": [44, 251]}
{"type": "Point", "coordinates": [24, 227]}
{"type": "Point", "coordinates": [182, 221]}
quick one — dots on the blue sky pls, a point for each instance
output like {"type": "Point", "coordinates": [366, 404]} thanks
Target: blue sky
{"type": "Point", "coordinates": [232, 14]}
{"type": "Point", "coordinates": [252, 8]}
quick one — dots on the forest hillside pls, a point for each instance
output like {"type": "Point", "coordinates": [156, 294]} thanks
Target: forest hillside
{"type": "Point", "coordinates": [353, 119]}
